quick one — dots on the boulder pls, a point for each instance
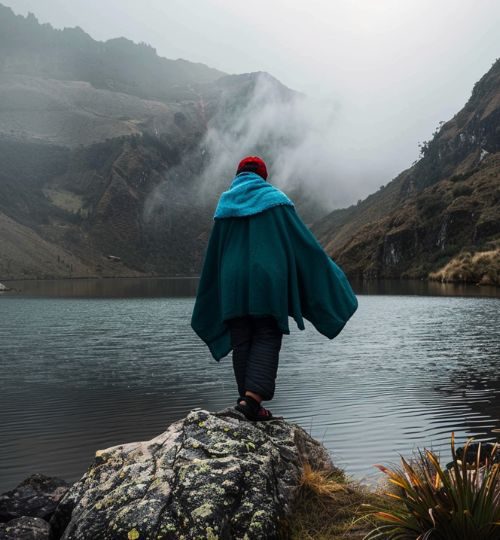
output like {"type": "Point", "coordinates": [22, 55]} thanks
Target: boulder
{"type": "Point", "coordinates": [25, 528]}
{"type": "Point", "coordinates": [210, 476]}
{"type": "Point", "coordinates": [37, 496]}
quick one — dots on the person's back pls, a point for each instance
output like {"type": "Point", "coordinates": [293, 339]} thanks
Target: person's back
{"type": "Point", "coordinates": [262, 266]}
{"type": "Point", "coordinates": [254, 268]}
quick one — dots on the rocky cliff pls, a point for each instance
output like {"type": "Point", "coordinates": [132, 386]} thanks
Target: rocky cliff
{"type": "Point", "coordinates": [447, 204]}
{"type": "Point", "coordinates": [208, 476]}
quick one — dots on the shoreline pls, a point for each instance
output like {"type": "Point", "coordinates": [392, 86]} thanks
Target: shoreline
{"type": "Point", "coordinates": [88, 278]}
{"type": "Point", "coordinates": [185, 285]}
{"type": "Point", "coordinates": [197, 276]}
{"type": "Point", "coordinates": [239, 477]}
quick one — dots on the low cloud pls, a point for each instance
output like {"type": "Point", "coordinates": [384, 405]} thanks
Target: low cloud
{"type": "Point", "coordinates": [295, 135]}
{"type": "Point", "coordinates": [256, 115]}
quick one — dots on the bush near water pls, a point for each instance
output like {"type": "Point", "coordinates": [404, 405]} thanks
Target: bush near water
{"type": "Point", "coordinates": [481, 268]}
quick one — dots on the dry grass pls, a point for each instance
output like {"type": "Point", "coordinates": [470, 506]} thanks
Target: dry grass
{"type": "Point", "coordinates": [482, 268]}
{"type": "Point", "coordinates": [328, 506]}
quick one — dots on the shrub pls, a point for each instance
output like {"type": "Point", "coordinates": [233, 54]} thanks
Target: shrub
{"type": "Point", "coordinates": [432, 502]}
{"type": "Point", "coordinates": [482, 267]}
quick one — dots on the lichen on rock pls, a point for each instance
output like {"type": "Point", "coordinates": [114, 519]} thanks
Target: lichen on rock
{"type": "Point", "coordinates": [25, 528]}
{"type": "Point", "coordinates": [209, 476]}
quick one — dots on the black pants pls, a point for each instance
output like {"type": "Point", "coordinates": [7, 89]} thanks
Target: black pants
{"type": "Point", "coordinates": [256, 345]}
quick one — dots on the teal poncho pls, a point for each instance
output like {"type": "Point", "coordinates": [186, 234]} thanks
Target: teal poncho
{"type": "Point", "coordinates": [268, 263]}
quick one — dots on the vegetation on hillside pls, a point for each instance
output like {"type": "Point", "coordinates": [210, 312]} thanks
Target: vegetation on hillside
{"type": "Point", "coordinates": [443, 207]}
{"type": "Point", "coordinates": [90, 201]}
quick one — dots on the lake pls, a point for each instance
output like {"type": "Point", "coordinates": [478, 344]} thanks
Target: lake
{"type": "Point", "coordinates": [87, 364]}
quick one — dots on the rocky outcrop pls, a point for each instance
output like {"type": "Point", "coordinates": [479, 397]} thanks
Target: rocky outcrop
{"type": "Point", "coordinates": [37, 496]}
{"type": "Point", "coordinates": [25, 528]}
{"type": "Point", "coordinates": [210, 475]}
{"type": "Point", "coordinates": [26, 510]}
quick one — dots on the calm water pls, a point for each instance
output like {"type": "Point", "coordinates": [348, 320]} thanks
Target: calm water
{"type": "Point", "coordinates": [86, 365]}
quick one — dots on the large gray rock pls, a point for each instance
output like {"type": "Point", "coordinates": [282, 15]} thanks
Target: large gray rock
{"type": "Point", "coordinates": [210, 475]}
{"type": "Point", "coordinates": [25, 528]}
{"type": "Point", "coordinates": [37, 496]}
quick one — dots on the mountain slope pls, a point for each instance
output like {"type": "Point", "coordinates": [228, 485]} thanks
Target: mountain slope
{"type": "Point", "coordinates": [24, 253]}
{"type": "Point", "coordinates": [72, 113]}
{"type": "Point", "coordinates": [447, 203]}
{"type": "Point", "coordinates": [107, 150]}
{"type": "Point", "coordinates": [119, 65]}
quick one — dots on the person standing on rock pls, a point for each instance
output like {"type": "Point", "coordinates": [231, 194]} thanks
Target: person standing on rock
{"type": "Point", "coordinates": [263, 265]}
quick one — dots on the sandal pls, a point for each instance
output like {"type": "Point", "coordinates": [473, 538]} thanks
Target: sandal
{"type": "Point", "coordinates": [252, 410]}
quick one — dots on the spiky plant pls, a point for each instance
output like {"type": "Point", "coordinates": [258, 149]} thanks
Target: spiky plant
{"type": "Point", "coordinates": [431, 502]}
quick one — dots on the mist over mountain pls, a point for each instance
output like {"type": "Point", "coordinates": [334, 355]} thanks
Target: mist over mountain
{"type": "Point", "coordinates": [111, 152]}
{"type": "Point", "coordinates": [30, 48]}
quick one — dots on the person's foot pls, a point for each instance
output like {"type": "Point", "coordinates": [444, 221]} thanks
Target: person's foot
{"type": "Point", "coordinates": [264, 414]}
{"type": "Point", "coordinates": [252, 409]}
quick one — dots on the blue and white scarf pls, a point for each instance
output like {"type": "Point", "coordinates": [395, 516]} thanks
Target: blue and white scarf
{"type": "Point", "coordinates": [249, 194]}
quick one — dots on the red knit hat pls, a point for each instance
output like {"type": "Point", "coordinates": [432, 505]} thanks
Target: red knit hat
{"type": "Point", "coordinates": [253, 164]}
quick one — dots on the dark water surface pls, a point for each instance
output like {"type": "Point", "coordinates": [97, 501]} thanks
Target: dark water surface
{"type": "Point", "coordinates": [93, 363]}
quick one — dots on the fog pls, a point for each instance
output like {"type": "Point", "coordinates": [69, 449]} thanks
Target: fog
{"type": "Point", "coordinates": [379, 76]}
{"type": "Point", "coordinates": [294, 133]}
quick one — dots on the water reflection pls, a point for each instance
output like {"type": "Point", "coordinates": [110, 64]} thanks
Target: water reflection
{"type": "Point", "coordinates": [105, 288]}
{"type": "Point", "coordinates": [182, 287]}
{"type": "Point", "coordinates": [424, 288]}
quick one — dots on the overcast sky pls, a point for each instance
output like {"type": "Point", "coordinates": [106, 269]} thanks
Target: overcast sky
{"type": "Point", "coordinates": [393, 68]}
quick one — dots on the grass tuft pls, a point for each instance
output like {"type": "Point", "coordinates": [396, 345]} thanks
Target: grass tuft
{"type": "Point", "coordinates": [328, 506]}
